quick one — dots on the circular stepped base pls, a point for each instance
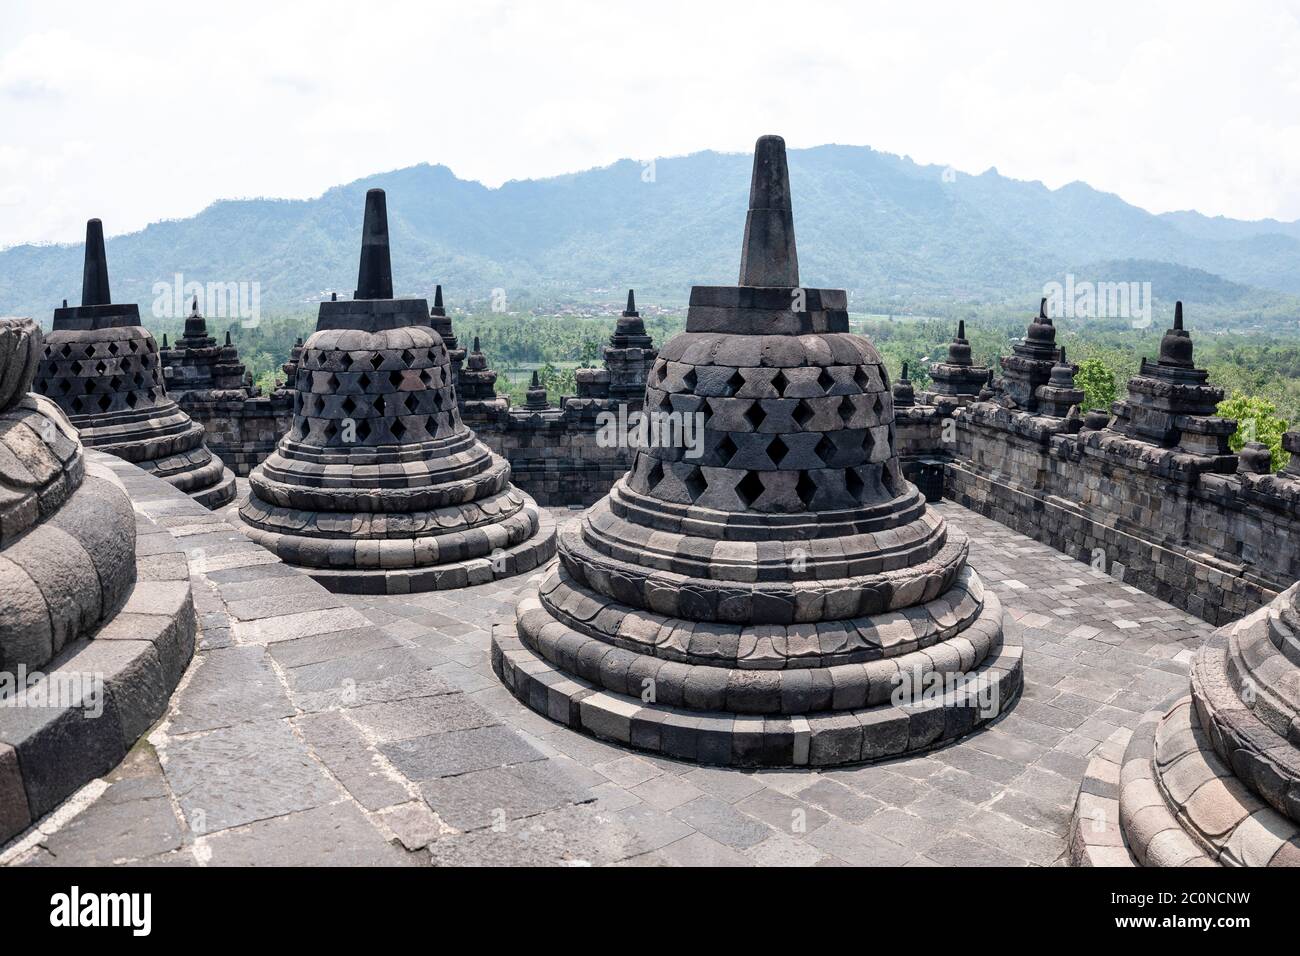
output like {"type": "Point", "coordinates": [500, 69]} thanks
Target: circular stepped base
{"type": "Point", "coordinates": [88, 706]}
{"type": "Point", "coordinates": [1170, 801]}
{"type": "Point", "coordinates": [518, 559]}
{"type": "Point", "coordinates": [218, 495]}
{"type": "Point", "coordinates": [822, 739]}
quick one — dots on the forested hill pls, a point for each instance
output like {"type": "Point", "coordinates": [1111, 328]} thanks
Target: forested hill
{"type": "Point", "coordinates": [888, 229]}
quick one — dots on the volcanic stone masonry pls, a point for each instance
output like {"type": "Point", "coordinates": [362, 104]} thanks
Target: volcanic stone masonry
{"type": "Point", "coordinates": [787, 598]}
{"type": "Point", "coordinates": [91, 644]}
{"type": "Point", "coordinates": [379, 486]}
{"type": "Point", "coordinates": [209, 382]}
{"type": "Point", "coordinates": [1150, 492]}
{"type": "Point", "coordinates": [1214, 776]}
{"type": "Point", "coordinates": [102, 368]}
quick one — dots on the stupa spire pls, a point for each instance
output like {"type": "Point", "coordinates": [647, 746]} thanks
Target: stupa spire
{"type": "Point", "coordinates": [375, 275]}
{"type": "Point", "coordinates": [631, 304]}
{"type": "Point", "coordinates": [438, 308]}
{"type": "Point", "coordinates": [768, 257]}
{"type": "Point", "coordinates": [94, 276]}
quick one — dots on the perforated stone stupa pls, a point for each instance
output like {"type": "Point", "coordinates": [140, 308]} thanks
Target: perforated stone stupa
{"type": "Point", "coordinates": [102, 368]}
{"type": "Point", "coordinates": [379, 487]}
{"type": "Point", "coordinates": [786, 597]}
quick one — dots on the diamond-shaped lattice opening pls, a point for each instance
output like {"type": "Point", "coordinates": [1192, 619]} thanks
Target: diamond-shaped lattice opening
{"type": "Point", "coordinates": [803, 414]}
{"type": "Point", "coordinates": [407, 357]}
{"type": "Point", "coordinates": [437, 400]}
{"type": "Point", "coordinates": [750, 488]}
{"type": "Point", "coordinates": [330, 431]}
{"type": "Point", "coordinates": [75, 368]}
{"type": "Point", "coordinates": [105, 401]}
{"type": "Point", "coordinates": [887, 479]}
{"type": "Point", "coordinates": [131, 399]}
{"type": "Point", "coordinates": [777, 450]}
{"type": "Point", "coordinates": [726, 448]}
{"type": "Point", "coordinates": [47, 351]}
{"type": "Point", "coordinates": [349, 406]}
{"type": "Point", "coordinates": [381, 406]}
{"type": "Point", "coordinates": [363, 382]}
{"type": "Point", "coordinates": [779, 382]}
{"type": "Point", "coordinates": [868, 443]}
{"type": "Point", "coordinates": [688, 380]}
{"type": "Point", "coordinates": [395, 378]}
{"type": "Point", "coordinates": [64, 386]}
{"type": "Point", "coordinates": [133, 345]}
{"type": "Point", "coordinates": [665, 403]}
{"type": "Point", "coordinates": [363, 429]}
{"type": "Point", "coordinates": [805, 488]}
{"type": "Point", "coordinates": [408, 403]}
{"type": "Point", "coordinates": [90, 351]}
{"type": "Point", "coordinates": [76, 404]}
{"type": "Point", "coordinates": [333, 383]}
{"type": "Point", "coordinates": [346, 361]}
{"type": "Point", "coordinates": [115, 383]}
{"type": "Point", "coordinates": [398, 429]}
{"type": "Point", "coordinates": [825, 450]}
{"type": "Point", "coordinates": [138, 380]}
{"type": "Point", "coordinates": [66, 350]}
{"type": "Point", "coordinates": [424, 378]}
{"type": "Point", "coordinates": [846, 410]}
{"type": "Point", "coordinates": [755, 415]}
{"type": "Point", "coordinates": [112, 348]}
{"type": "Point", "coordinates": [862, 379]}
{"type": "Point", "coordinates": [854, 484]}
{"type": "Point", "coordinates": [654, 474]}
{"type": "Point", "coordinates": [90, 385]}
{"type": "Point", "coordinates": [826, 380]}
{"type": "Point", "coordinates": [695, 484]}
{"type": "Point", "coordinates": [879, 408]}
{"type": "Point", "coordinates": [376, 360]}
{"type": "Point", "coordinates": [736, 382]}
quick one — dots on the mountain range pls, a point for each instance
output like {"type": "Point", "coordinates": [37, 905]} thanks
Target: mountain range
{"type": "Point", "coordinates": [895, 233]}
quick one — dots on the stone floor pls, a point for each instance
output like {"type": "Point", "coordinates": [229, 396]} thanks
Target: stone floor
{"type": "Point", "coordinates": [315, 728]}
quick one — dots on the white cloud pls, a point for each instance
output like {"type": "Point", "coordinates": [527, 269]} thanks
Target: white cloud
{"type": "Point", "coordinates": [153, 110]}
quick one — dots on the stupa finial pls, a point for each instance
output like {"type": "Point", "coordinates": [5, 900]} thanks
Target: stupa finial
{"type": "Point", "coordinates": [631, 304]}
{"type": "Point", "coordinates": [961, 330]}
{"type": "Point", "coordinates": [903, 377]}
{"type": "Point", "coordinates": [194, 307]}
{"type": "Point", "coordinates": [375, 275]}
{"type": "Point", "coordinates": [1178, 315]}
{"type": "Point", "coordinates": [94, 277]}
{"type": "Point", "coordinates": [438, 308]}
{"type": "Point", "coordinates": [768, 257]}
{"type": "Point", "coordinates": [1042, 307]}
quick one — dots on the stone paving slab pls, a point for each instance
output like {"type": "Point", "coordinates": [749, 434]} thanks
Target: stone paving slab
{"type": "Point", "coordinates": [374, 732]}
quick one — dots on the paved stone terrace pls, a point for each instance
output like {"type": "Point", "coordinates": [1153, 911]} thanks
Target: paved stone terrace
{"type": "Point", "coordinates": [323, 729]}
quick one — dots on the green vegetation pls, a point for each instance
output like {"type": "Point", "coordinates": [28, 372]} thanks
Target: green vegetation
{"type": "Point", "coordinates": [1257, 420]}
{"type": "Point", "coordinates": [1098, 384]}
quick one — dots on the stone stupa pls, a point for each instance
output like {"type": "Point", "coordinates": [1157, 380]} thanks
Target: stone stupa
{"type": "Point", "coordinates": [102, 368]}
{"type": "Point", "coordinates": [786, 597]}
{"type": "Point", "coordinates": [379, 487]}
{"type": "Point", "coordinates": [85, 613]}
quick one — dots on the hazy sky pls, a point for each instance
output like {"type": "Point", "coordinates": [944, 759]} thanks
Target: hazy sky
{"type": "Point", "coordinates": [135, 112]}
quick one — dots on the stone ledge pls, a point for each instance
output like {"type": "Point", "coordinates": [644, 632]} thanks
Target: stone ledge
{"type": "Point", "coordinates": [821, 739]}
{"type": "Point", "coordinates": [48, 751]}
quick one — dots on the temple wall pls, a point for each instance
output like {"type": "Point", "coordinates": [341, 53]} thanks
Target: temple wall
{"type": "Point", "coordinates": [242, 432]}
{"type": "Point", "coordinates": [1217, 545]}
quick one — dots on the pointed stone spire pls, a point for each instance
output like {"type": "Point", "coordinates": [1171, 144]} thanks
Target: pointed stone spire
{"type": "Point", "coordinates": [227, 338]}
{"type": "Point", "coordinates": [536, 381]}
{"type": "Point", "coordinates": [194, 307]}
{"type": "Point", "coordinates": [903, 377]}
{"type": "Point", "coordinates": [94, 276]}
{"type": "Point", "coordinates": [1176, 345]}
{"type": "Point", "coordinates": [768, 257]}
{"type": "Point", "coordinates": [375, 274]}
{"type": "Point", "coordinates": [631, 304]}
{"type": "Point", "coordinates": [164, 345]}
{"type": "Point", "coordinates": [476, 347]}
{"type": "Point", "coordinates": [961, 330]}
{"type": "Point", "coordinates": [438, 308]}
{"type": "Point", "coordinates": [1042, 308]}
